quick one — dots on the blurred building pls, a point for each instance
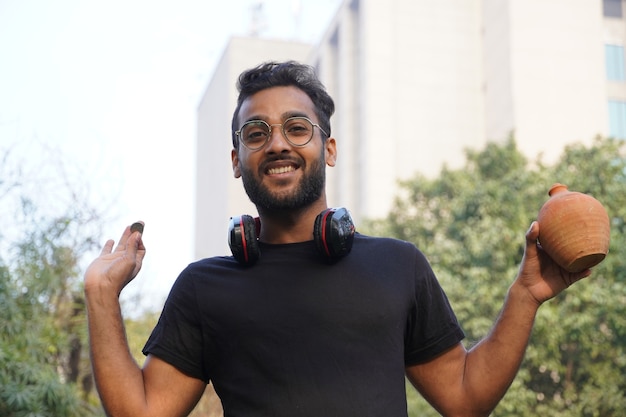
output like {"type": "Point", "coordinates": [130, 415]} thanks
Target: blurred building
{"type": "Point", "coordinates": [416, 82]}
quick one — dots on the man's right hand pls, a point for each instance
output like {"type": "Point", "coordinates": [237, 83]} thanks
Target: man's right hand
{"type": "Point", "coordinates": [114, 269]}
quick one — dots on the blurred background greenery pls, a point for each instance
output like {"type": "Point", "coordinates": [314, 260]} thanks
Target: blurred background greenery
{"type": "Point", "coordinates": [470, 223]}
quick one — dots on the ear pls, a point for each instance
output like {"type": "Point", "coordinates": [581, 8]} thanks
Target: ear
{"type": "Point", "coordinates": [234, 156]}
{"type": "Point", "coordinates": [330, 151]}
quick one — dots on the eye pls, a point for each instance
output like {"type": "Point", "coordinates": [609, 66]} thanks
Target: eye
{"type": "Point", "coordinates": [298, 127]}
{"type": "Point", "coordinates": [254, 132]}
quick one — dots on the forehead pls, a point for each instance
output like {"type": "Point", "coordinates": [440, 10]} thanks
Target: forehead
{"type": "Point", "coordinates": [275, 104]}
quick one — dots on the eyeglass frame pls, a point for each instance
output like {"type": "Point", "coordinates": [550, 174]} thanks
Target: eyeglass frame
{"type": "Point", "coordinates": [282, 129]}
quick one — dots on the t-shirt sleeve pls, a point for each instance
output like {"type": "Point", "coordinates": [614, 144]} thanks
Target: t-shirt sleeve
{"type": "Point", "coordinates": [432, 326]}
{"type": "Point", "coordinates": [177, 337]}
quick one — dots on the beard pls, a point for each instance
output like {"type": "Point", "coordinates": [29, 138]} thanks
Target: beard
{"type": "Point", "coordinates": [307, 191]}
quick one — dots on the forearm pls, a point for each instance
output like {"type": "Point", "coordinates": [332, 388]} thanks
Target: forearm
{"type": "Point", "coordinates": [119, 379]}
{"type": "Point", "coordinates": [462, 383]}
{"type": "Point", "coordinates": [492, 364]}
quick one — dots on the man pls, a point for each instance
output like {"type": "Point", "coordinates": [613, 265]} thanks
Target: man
{"type": "Point", "coordinates": [294, 334]}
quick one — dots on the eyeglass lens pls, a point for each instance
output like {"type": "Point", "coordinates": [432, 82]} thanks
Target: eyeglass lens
{"type": "Point", "coordinates": [297, 130]}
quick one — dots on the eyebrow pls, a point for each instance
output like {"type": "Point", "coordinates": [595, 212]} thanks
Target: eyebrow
{"type": "Point", "coordinates": [284, 116]}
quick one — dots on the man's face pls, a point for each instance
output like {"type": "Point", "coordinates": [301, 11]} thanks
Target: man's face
{"type": "Point", "coordinates": [281, 176]}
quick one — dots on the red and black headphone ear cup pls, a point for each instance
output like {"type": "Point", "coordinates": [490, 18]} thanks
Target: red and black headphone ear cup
{"type": "Point", "coordinates": [242, 239]}
{"type": "Point", "coordinates": [333, 233]}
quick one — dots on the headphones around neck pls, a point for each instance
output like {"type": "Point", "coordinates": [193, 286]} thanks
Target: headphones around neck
{"type": "Point", "coordinates": [333, 233]}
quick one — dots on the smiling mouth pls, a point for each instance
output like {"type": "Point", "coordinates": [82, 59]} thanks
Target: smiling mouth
{"type": "Point", "coordinates": [281, 170]}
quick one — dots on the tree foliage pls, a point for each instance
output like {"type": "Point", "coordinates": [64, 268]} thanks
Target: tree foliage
{"type": "Point", "coordinates": [44, 366]}
{"type": "Point", "coordinates": [44, 370]}
{"type": "Point", "coordinates": [471, 222]}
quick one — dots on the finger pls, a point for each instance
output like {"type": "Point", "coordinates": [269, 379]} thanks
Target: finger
{"type": "Point", "coordinates": [135, 247]}
{"type": "Point", "coordinates": [138, 227]}
{"type": "Point", "coordinates": [132, 245]}
{"type": "Point", "coordinates": [141, 249]}
{"type": "Point", "coordinates": [575, 277]}
{"type": "Point", "coordinates": [128, 231]}
{"type": "Point", "coordinates": [141, 246]}
{"type": "Point", "coordinates": [108, 246]}
{"type": "Point", "coordinates": [136, 251]}
{"type": "Point", "coordinates": [121, 246]}
{"type": "Point", "coordinates": [531, 238]}
{"type": "Point", "coordinates": [533, 232]}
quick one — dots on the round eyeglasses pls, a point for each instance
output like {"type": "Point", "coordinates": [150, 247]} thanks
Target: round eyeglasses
{"type": "Point", "coordinates": [298, 131]}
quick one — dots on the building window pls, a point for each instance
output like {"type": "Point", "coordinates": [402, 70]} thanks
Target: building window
{"type": "Point", "coordinates": [614, 55]}
{"type": "Point", "coordinates": [617, 119]}
{"type": "Point", "coordinates": [612, 8]}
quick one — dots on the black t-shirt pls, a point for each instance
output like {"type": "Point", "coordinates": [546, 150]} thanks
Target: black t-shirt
{"type": "Point", "coordinates": [295, 336]}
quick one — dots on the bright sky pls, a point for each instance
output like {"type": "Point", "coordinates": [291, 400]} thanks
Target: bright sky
{"type": "Point", "coordinates": [113, 88]}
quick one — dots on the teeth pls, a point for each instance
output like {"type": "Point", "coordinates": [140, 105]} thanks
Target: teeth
{"type": "Point", "coordinates": [280, 170]}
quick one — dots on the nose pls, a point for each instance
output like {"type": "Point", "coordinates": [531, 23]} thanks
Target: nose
{"type": "Point", "coordinates": [277, 142]}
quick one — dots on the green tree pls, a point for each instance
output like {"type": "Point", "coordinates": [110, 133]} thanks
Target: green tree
{"type": "Point", "coordinates": [43, 368]}
{"type": "Point", "coordinates": [471, 222]}
{"type": "Point", "coordinates": [44, 365]}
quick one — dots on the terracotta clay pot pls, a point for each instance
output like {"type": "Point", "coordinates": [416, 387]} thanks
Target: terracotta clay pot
{"type": "Point", "coordinates": [574, 229]}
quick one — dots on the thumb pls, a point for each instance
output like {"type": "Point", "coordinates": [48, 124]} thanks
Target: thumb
{"type": "Point", "coordinates": [134, 244]}
{"type": "Point", "coordinates": [136, 250]}
{"type": "Point", "coordinates": [531, 238]}
{"type": "Point", "coordinates": [533, 232]}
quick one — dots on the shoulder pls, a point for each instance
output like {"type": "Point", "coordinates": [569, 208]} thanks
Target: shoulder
{"type": "Point", "coordinates": [202, 269]}
{"type": "Point", "coordinates": [380, 241]}
{"type": "Point", "coordinates": [386, 246]}
{"type": "Point", "coordinates": [212, 263]}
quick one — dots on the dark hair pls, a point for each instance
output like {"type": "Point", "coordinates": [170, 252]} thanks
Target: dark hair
{"type": "Point", "coordinates": [289, 73]}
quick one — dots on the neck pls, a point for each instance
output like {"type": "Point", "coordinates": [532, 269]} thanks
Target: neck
{"type": "Point", "coordinates": [289, 226]}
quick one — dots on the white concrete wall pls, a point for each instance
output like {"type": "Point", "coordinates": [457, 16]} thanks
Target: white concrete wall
{"type": "Point", "coordinates": [429, 79]}
{"type": "Point", "coordinates": [407, 79]}
{"type": "Point", "coordinates": [499, 112]}
{"type": "Point", "coordinates": [615, 34]}
{"type": "Point", "coordinates": [558, 77]}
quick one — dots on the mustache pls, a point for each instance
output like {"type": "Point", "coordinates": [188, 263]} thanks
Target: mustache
{"type": "Point", "coordinates": [282, 158]}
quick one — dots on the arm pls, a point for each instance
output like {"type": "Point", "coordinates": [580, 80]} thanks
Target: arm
{"type": "Point", "coordinates": [158, 389]}
{"type": "Point", "coordinates": [471, 383]}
